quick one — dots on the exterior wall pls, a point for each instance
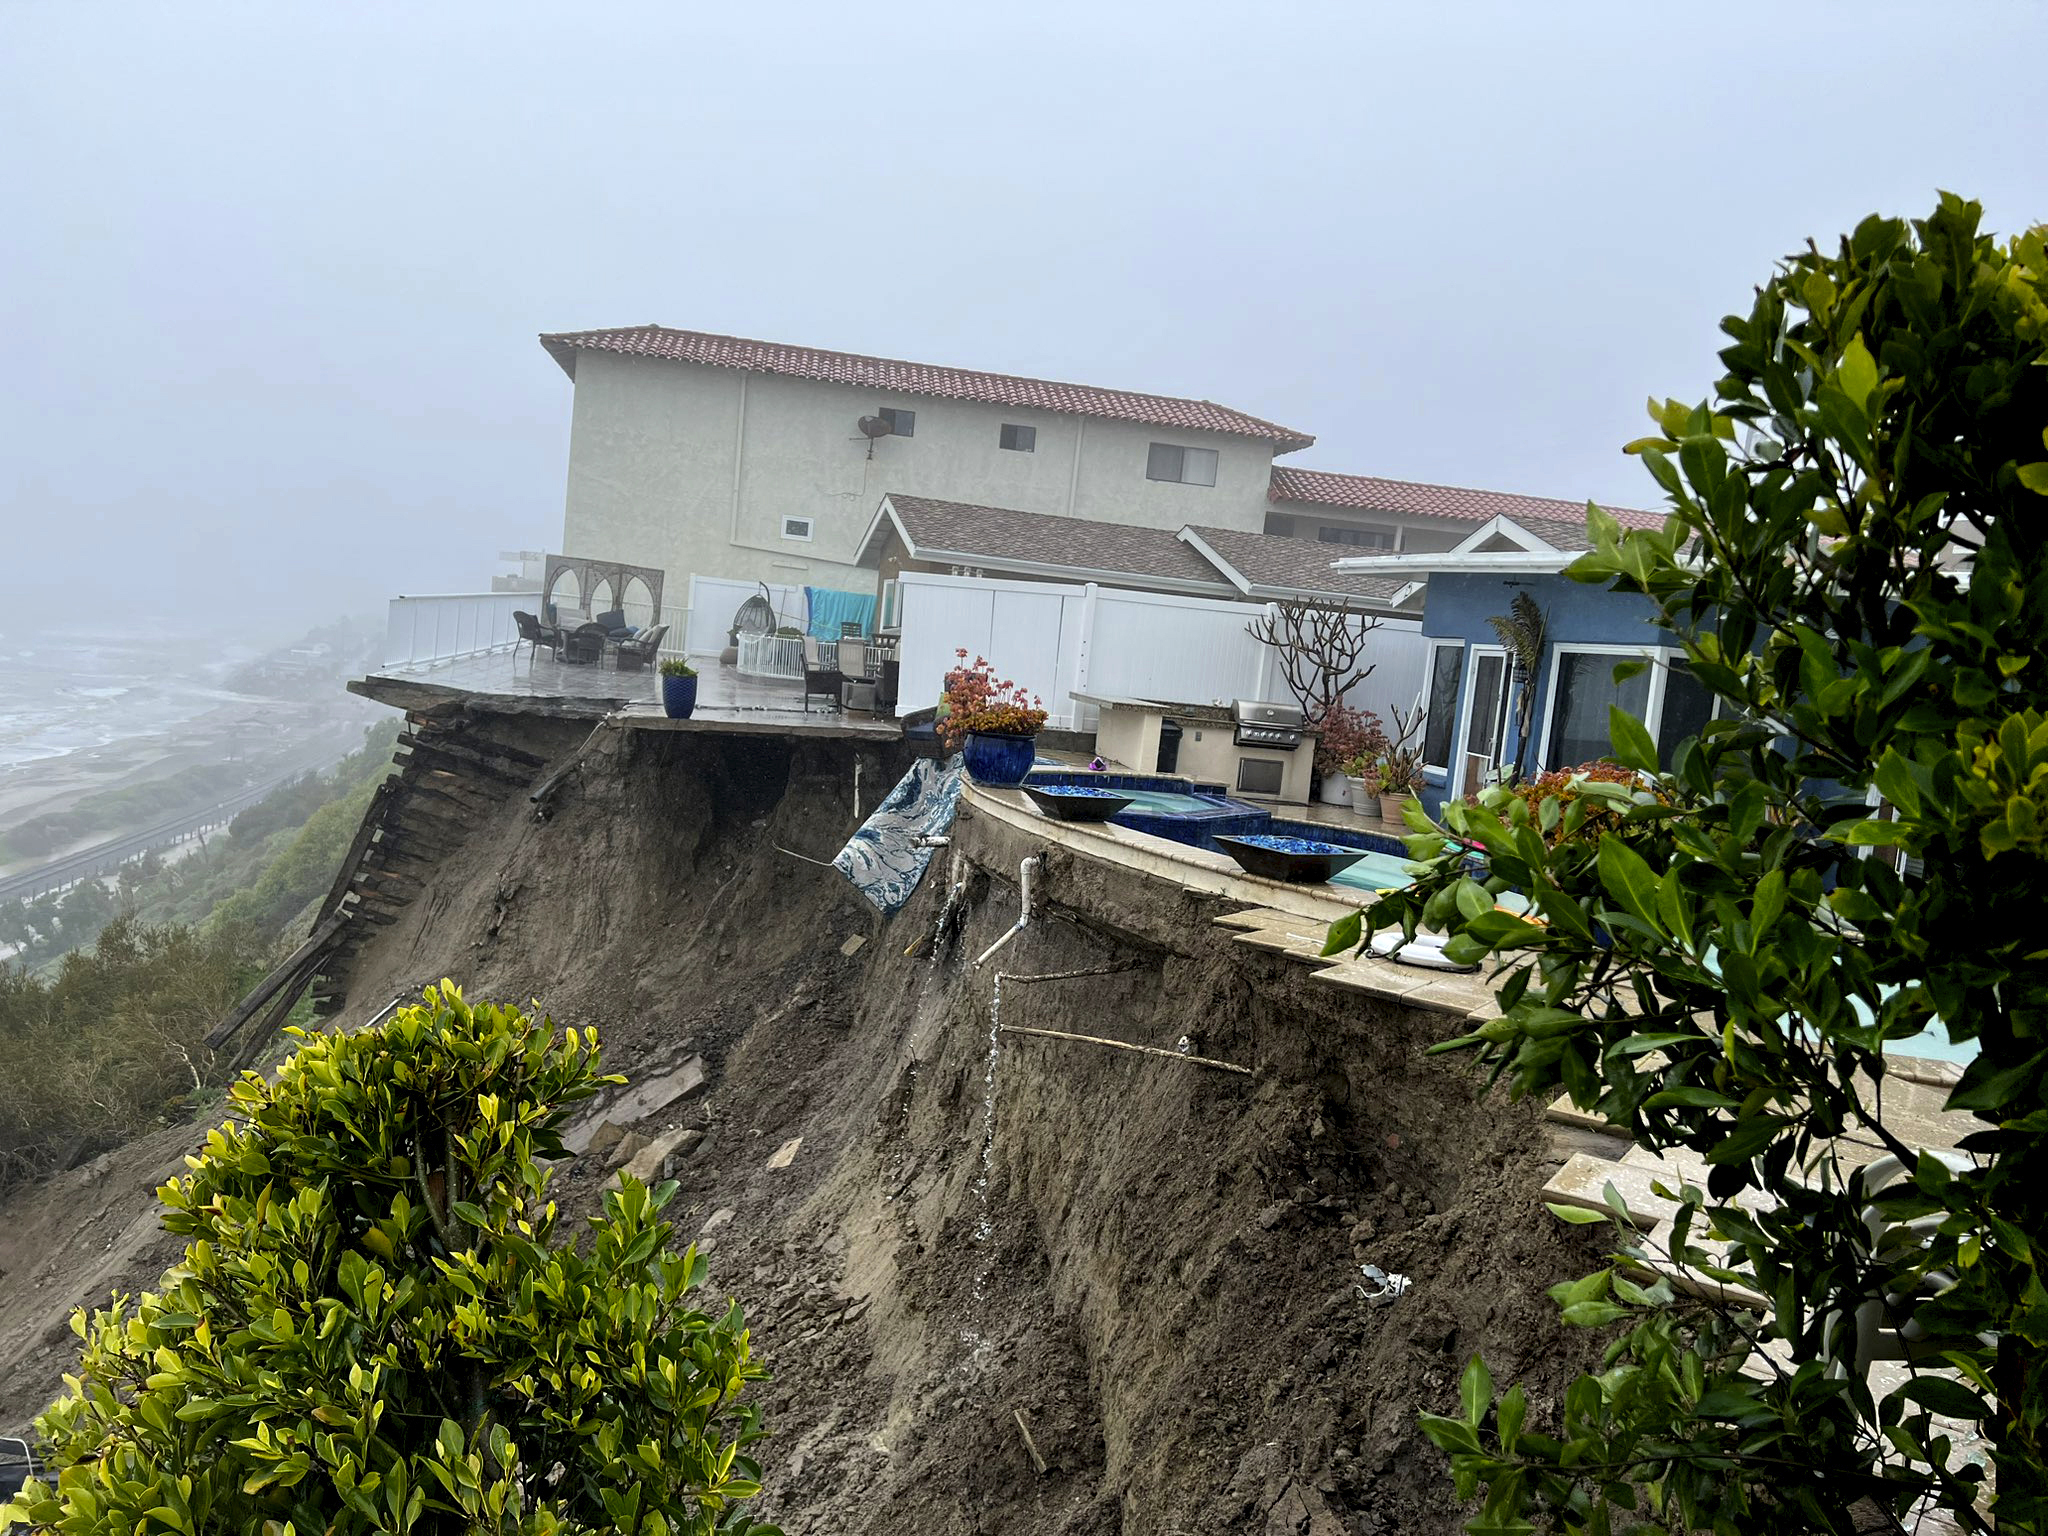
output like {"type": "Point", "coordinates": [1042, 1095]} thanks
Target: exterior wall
{"type": "Point", "coordinates": [692, 469]}
{"type": "Point", "coordinates": [1418, 535]}
{"type": "Point", "coordinates": [1457, 606]}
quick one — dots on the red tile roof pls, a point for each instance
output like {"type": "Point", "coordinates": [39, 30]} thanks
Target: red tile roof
{"type": "Point", "coordinates": [1368, 493]}
{"type": "Point", "coordinates": [891, 376]}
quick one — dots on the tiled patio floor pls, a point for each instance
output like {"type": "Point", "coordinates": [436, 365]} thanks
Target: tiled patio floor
{"type": "Point", "coordinates": [726, 700]}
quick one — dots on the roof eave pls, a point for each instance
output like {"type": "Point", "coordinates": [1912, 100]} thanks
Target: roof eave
{"type": "Point", "coordinates": [1070, 572]}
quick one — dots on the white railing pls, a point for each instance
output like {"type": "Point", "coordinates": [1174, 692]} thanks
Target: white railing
{"type": "Point", "coordinates": [444, 627]}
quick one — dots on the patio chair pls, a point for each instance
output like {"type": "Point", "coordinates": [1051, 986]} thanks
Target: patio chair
{"type": "Point", "coordinates": [821, 671]}
{"type": "Point", "coordinates": [536, 634]}
{"type": "Point", "coordinates": [633, 654]}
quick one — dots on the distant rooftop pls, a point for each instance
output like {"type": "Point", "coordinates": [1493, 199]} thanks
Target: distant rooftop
{"type": "Point", "coordinates": [893, 376]}
{"type": "Point", "coordinates": [1369, 493]}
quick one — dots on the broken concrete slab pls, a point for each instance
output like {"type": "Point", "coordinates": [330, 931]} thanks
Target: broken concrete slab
{"type": "Point", "coordinates": [786, 1153]}
{"type": "Point", "coordinates": [628, 1147]}
{"type": "Point", "coordinates": [718, 1218]}
{"type": "Point", "coordinates": [639, 1100]}
{"type": "Point", "coordinates": [651, 1161]}
{"type": "Point", "coordinates": [853, 945]}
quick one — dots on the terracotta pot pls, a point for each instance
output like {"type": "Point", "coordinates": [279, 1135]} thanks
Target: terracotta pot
{"type": "Point", "coordinates": [1390, 807]}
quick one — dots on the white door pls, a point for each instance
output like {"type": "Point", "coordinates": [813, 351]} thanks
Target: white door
{"type": "Point", "coordinates": [1484, 729]}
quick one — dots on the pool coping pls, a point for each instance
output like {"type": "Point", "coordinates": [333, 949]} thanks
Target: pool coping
{"type": "Point", "coordinates": [1273, 914]}
{"type": "Point", "coordinates": [1275, 911]}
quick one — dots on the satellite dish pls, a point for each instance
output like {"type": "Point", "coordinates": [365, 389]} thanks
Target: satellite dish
{"type": "Point", "coordinates": [874, 426]}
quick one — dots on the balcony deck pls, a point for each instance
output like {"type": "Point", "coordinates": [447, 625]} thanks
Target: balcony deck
{"type": "Point", "coordinates": [727, 702]}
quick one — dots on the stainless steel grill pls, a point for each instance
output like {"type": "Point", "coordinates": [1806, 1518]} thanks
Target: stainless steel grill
{"type": "Point", "coordinates": [1264, 723]}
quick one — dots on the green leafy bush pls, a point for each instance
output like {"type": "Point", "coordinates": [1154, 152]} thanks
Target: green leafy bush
{"type": "Point", "coordinates": [375, 1328]}
{"type": "Point", "coordinates": [1856, 564]}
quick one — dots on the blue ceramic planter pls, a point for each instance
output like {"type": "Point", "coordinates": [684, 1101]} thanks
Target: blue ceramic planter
{"type": "Point", "coordinates": [999, 761]}
{"type": "Point", "coordinates": [678, 697]}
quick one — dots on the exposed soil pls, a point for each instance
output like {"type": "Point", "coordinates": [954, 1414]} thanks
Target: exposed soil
{"type": "Point", "coordinates": [1156, 1272]}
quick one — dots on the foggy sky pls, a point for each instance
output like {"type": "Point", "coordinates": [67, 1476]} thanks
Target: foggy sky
{"type": "Point", "coordinates": [271, 275]}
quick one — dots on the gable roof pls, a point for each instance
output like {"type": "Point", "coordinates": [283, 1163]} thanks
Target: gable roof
{"type": "Point", "coordinates": [1369, 493]}
{"type": "Point", "coordinates": [1264, 565]}
{"type": "Point", "coordinates": [1041, 544]}
{"type": "Point", "coordinates": [890, 375]}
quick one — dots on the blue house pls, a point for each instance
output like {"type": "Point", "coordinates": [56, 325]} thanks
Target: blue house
{"type": "Point", "coordinates": [1471, 686]}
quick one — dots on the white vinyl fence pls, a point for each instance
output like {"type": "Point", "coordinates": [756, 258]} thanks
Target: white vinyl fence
{"type": "Point", "coordinates": [715, 599]}
{"type": "Point", "coordinates": [1058, 639]}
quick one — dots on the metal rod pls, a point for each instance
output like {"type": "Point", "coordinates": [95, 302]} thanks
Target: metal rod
{"type": "Point", "coordinates": [1119, 1045]}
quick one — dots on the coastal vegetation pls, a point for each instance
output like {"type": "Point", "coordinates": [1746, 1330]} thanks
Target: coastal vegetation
{"type": "Point", "coordinates": [378, 1325]}
{"type": "Point", "coordinates": [1848, 856]}
{"type": "Point", "coordinates": [271, 860]}
{"type": "Point", "coordinates": [104, 1010]}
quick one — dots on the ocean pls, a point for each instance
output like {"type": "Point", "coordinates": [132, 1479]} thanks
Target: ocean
{"type": "Point", "coordinates": [79, 691]}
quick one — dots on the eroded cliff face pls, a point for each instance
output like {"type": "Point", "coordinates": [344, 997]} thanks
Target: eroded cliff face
{"type": "Point", "coordinates": [1006, 1283]}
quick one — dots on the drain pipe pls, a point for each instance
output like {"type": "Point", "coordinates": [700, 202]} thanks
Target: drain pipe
{"type": "Point", "coordinates": [1025, 871]}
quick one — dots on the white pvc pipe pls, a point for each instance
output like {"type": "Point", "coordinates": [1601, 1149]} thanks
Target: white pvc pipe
{"type": "Point", "coordinates": [1025, 871]}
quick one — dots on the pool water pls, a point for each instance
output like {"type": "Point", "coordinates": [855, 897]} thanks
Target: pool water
{"type": "Point", "coordinates": [1164, 802]}
{"type": "Point", "coordinates": [1376, 872]}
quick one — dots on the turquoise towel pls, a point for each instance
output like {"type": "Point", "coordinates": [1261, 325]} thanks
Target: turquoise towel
{"type": "Point", "coordinates": [830, 609]}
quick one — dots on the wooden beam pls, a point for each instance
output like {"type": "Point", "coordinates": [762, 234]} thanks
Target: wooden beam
{"type": "Point", "coordinates": [373, 819]}
{"type": "Point", "coordinates": [268, 988]}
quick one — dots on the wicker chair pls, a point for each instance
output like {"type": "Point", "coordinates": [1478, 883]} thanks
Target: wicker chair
{"type": "Point", "coordinates": [536, 634]}
{"type": "Point", "coordinates": [633, 654]}
{"type": "Point", "coordinates": [821, 671]}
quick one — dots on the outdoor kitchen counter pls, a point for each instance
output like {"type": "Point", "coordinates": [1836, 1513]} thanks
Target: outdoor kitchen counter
{"type": "Point", "coordinates": [1127, 732]}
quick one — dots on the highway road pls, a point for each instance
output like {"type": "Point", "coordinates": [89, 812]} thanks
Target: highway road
{"type": "Point", "coordinates": [68, 869]}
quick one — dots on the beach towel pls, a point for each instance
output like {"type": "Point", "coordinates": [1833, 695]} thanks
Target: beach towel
{"type": "Point", "coordinates": [887, 856]}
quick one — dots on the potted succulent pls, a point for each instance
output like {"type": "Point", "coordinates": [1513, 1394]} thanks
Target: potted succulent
{"type": "Point", "coordinates": [678, 688]}
{"type": "Point", "coordinates": [1400, 774]}
{"type": "Point", "coordinates": [1362, 773]}
{"type": "Point", "coordinates": [992, 723]}
{"type": "Point", "coordinates": [1344, 733]}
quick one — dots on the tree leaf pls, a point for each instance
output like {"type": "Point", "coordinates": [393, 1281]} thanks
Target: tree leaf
{"type": "Point", "coordinates": [1628, 880]}
{"type": "Point", "coordinates": [1475, 1391]}
{"type": "Point", "coordinates": [1633, 747]}
{"type": "Point", "coordinates": [1857, 373]}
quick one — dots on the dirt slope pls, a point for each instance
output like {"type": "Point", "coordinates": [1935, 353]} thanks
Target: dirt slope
{"type": "Point", "coordinates": [1147, 1267]}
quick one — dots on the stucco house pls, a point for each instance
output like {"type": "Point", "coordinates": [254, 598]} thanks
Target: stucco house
{"type": "Point", "coordinates": [711, 455]}
{"type": "Point", "coordinates": [720, 456]}
{"type": "Point", "coordinates": [1473, 723]}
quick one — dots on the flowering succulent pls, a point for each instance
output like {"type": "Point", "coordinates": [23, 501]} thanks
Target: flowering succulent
{"type": "Point", "coordinates": [978, 700]}
{"type": "Point", "coordinates": [1597, 816]}
{"type": "Point", "coordinates": [1345, 733]}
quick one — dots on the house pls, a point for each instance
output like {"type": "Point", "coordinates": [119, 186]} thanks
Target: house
{"type": "Point", "coordinates": [915, 533]}
{"type": "Point", "coordinates": [719, 456]}
{"type": "Point", "coordinates": [1473, 723]}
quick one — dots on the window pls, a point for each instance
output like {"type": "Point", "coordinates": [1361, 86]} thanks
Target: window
{"type": "Point", "coordinates": [891, 601]}
{"type": "Point", "coordinates": [1583, 689]}
{"type": "Point", "coordinates": [1364, 538]}
{"type": "Point", "coordinates": [1018, 439]}
{"type": "Point", "coordinates": [1664, 695]}
{"type": "Point", "coordinates": [1446, 662]}
{"type": "Point", "coordinates": [902, 423]}
{"type": "Point", "coordinates": [1280, 525]}
{"type": "Point", "coordinates": [1687, 707]}
{"type": "Point", "coordinates": [1186, 466]}
{"type": "Point", "coordinates": [797, 528]}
